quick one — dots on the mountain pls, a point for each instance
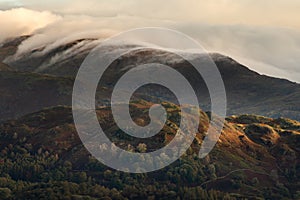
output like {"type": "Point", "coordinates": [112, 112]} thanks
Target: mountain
{"type": "Point", "coordinates": [42, 157]}
{"type": "Point", "coordinates": [256, 157]}
{"type": "Point", "coordinates": [247, 91]}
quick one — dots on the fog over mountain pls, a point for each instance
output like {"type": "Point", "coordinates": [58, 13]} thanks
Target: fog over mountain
{"type": "Point", "coordinates": [271, 49]}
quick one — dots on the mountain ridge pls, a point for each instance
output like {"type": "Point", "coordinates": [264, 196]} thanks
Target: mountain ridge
{"type": "Point", "coordinates": [247, 91]}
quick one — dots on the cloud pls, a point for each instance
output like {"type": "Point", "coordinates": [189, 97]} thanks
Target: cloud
{"type": "Point", "coordinates": [21, 21]}
{"type": "Point", "coordinates": [9, 4]}
{"type": "Point", "coordinates": [73, 27]}
{"type": "Point", "coordinates": [250, 12]}
{"type": "Point", "coordinates": [269, 50]}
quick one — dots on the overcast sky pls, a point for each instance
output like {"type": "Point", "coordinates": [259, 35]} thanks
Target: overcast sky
{"type": "Point", "coordinates": [262, 34]}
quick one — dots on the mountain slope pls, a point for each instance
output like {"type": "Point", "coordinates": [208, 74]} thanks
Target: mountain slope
{"type": "Point", "coordinates": [10, 47]}
{"type": "Point", "coordinates": [252, 93]}
{"type": "Point", "coordinates": [4, 67]}
{"type": "Point", "coordinates": [247, 91]}
{"type": "Point", "coordinates": [25, 92]}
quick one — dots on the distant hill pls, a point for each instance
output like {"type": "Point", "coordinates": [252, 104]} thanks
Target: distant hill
{"type": "Point", "coordinates": [248, 92]}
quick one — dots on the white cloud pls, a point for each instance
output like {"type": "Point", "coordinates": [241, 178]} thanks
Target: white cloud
{"type": "Point", "coordinates": [251, 12]}
{"type": "Point", "coordinates": [21, 21]}
{"type": "Point", "coordinates": [72, 27]}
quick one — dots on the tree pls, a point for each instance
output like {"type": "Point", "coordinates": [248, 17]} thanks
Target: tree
{"type": "Point", "coordinates": [5, 193]}
{"type": "Point", "coordinates": [142, 147]}
{"type": "Point", "coordinates": [68, 165]}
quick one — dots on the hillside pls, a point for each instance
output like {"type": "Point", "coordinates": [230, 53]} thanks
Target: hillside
{"type": "Point", "coordinates": [25, 92]}
{"type": "Point", "coordinates": [4, 67]}
{"type": "Point", "coordinates": [248, 92]}
{"type": "Point", "coordinates": [10, 46]}
{"type": "Point", "coordinates": [255, 157]}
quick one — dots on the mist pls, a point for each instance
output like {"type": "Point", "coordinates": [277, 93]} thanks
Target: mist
{"type": "Point", "coordinates": [268, 50]}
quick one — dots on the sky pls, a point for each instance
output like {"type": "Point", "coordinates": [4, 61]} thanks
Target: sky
{"type": "Point", "coordinates": [264, 35]}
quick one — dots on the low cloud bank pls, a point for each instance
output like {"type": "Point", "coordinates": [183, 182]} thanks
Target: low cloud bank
{"type": "Point", "coordinates": [269, 50]}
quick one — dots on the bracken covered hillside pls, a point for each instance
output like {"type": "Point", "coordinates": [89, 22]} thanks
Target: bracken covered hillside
{"type": "Point", "coordinates": [255, 157]}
